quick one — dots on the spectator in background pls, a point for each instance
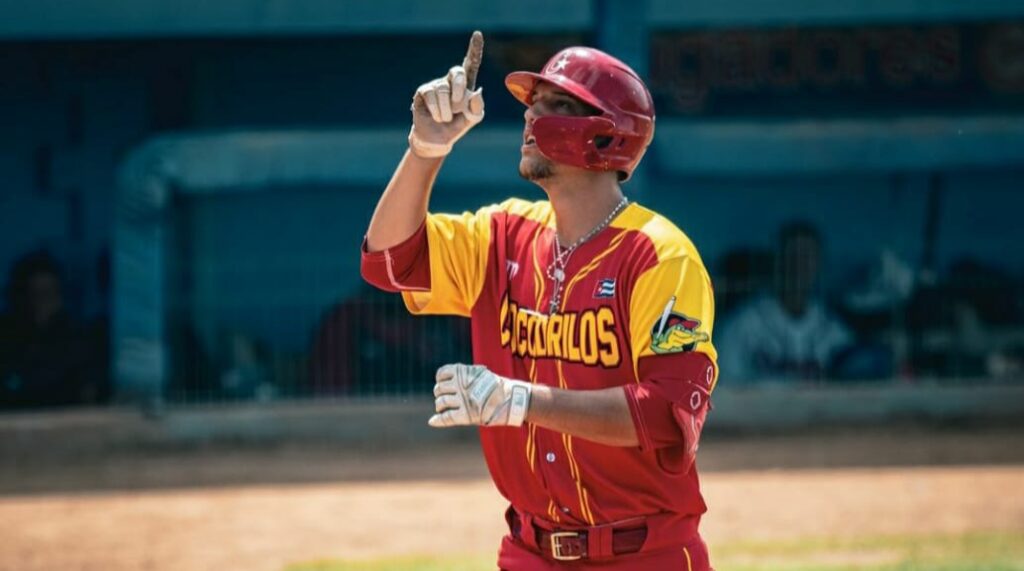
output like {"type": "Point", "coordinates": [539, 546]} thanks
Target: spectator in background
{"type": "Point", "coordinates": [742, 273]}
{"type": "Point", "coordinates": [366, 342]}
{"type": "Point", "coordinates": [44, 354]}
{"type": "Point", "coordinates": [788, 335]}
{"type": "Point", "coordinates": [967, 325]}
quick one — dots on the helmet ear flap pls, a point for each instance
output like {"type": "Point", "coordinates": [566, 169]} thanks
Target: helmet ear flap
{"type": "Point", "coordinates": [573, 140]}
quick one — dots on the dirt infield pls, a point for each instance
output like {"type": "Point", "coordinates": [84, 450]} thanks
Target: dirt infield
{"type": "Point", "coordinates": [265, 527]}
{"type": "Point", "coordinates": [208, 510]}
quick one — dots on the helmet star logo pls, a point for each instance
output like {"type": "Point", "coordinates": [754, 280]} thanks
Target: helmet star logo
{"type": "Point", "coordinates": [561, 63]}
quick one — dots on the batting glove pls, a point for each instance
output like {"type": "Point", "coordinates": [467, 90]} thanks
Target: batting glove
{"type": "Point", "coordinates": [445, 109]}
{"type": "Point", "coordinates": [473, 395]}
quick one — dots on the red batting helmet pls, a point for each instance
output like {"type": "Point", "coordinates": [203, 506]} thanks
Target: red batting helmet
{"type": "Point", "coordinates": [625, 123]}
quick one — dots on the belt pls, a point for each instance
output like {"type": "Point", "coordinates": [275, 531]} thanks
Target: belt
{"type": "Point", "coordinates": [602, 541]}
{"type": "Point", "coordinates": [572, 545]}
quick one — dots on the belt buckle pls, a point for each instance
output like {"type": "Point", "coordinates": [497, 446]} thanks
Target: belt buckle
{"type": "Point", "coordinates": [556, 546]}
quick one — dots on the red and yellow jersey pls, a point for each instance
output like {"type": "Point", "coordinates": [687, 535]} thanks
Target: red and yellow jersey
{"type": "Point", "coordinates": [636, 311]}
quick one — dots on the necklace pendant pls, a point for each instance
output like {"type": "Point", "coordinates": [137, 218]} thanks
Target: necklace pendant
{"type": "Point", "coordinates": [553, 306]}
{"type": "Point", "coordinates": [559, 275]}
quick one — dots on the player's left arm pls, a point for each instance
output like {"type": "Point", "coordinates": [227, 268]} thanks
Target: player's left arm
{"type": "Point", "coordinates": [474, 395]}
{"type": "Point", "coordinates": [672, 313]}
{"type": "Point", "coordinates": [602, 416]}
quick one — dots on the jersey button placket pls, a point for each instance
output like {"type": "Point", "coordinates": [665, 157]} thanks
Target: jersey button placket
{"type": "Point", "coordinates": [550, 471]}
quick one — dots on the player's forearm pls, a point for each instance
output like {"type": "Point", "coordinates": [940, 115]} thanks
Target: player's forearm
{"type": "Point", "coordinates": [601, 416]}
{"type": "Point", "coordinates": [403, 206]}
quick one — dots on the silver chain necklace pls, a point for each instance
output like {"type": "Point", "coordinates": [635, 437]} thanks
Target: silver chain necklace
{"type": "Point", "coordinates": [556, 269]}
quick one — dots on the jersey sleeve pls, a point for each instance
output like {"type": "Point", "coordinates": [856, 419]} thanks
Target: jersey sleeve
{"type": "Point", "coordinates": [400, 267]}
{"type": "Point", "coordinates": [457, 253]}
{"type": "Point", "coordinates": [674, 360]}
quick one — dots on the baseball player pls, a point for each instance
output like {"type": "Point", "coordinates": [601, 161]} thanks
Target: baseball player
{"type": "Point", "coordinates": [591, 318]}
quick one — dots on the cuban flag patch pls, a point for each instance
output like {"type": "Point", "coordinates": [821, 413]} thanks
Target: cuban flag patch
{"type": "Point", "coordinates": [605, 288]}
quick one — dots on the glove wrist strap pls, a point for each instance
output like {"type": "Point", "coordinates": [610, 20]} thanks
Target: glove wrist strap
{"type": "Point", "coordinates": [426, 149]}
{"type": "Point", "coordinates": [519, 404]}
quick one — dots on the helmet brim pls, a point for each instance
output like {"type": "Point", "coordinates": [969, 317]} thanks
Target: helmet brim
{"type": "Point", "coordinates": [521, 84]}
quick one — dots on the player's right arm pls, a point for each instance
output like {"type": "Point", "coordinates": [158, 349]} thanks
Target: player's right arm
{"type": "Point", "coordinates": [443, 110]}
{"type": "Point", "coordinates": [436, 261]}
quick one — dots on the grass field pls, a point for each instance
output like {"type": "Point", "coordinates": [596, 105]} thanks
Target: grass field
{"type": "Point", "coordinates": [968, 552]}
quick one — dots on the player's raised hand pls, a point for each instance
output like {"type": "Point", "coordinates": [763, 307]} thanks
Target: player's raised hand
{"type": "Point", "coordinates": [445, 109]}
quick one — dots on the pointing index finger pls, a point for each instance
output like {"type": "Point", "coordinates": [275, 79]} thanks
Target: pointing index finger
{"type": "Point", "coordinates": [474, 55]}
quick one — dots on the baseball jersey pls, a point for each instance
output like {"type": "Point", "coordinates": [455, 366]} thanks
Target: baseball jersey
{"type": "Point", "coordinates": [636, 311]}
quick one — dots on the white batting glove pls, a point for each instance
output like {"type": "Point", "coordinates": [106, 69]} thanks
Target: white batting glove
{"type": "Point", "coordinates": [473, 395]}
{"type": "Point", "coordinates": [445, 109]}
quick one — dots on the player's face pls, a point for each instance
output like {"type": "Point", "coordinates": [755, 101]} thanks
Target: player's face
{"type": "Point", "coordinates": [546, 100]}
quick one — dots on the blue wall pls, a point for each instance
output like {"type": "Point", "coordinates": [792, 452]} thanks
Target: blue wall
{"type": "Point", "coordinates": [77, 94]}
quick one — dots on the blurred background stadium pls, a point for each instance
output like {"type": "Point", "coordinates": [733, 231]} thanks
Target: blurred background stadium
{"type": "Point", "coordinates": [186, 186]}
